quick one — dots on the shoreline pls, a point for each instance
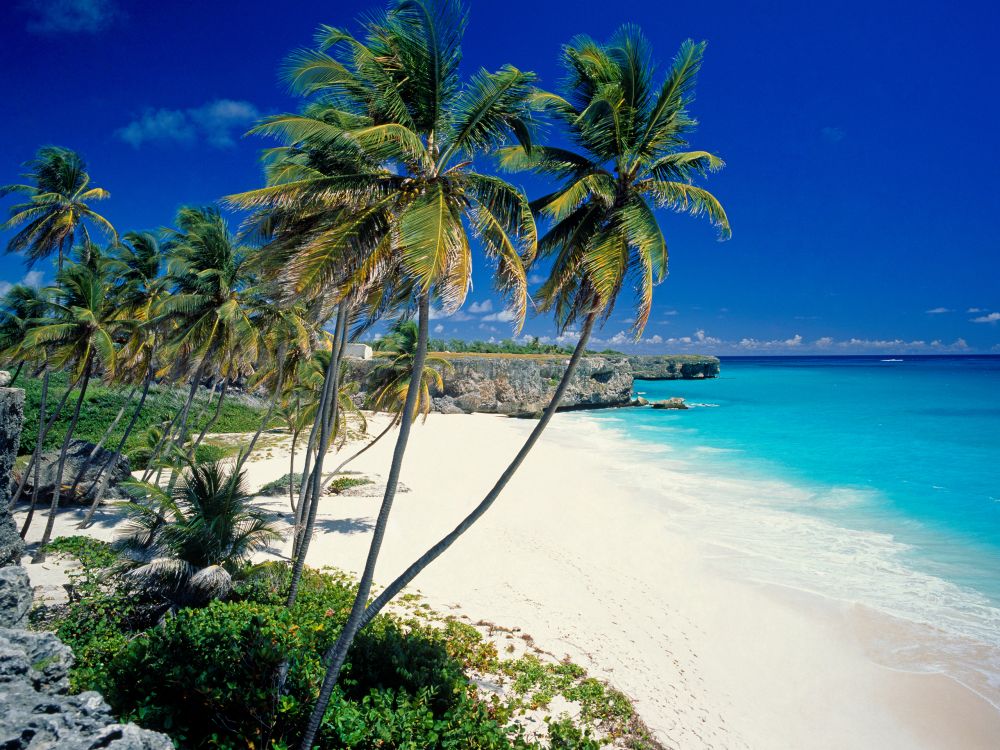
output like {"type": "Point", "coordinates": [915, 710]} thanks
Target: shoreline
{"type": "Point", "coordinates": [579, 555]}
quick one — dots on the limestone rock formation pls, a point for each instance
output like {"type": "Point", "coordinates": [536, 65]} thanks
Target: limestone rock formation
{"type": "Point", "coordinates": [77, 457]}
{"type": "Point", "coordinates": [670, 403]}
{"type": "Point", "coordinates": [11, 419]}
{"type": "Point", "coordinates": [674, 367]}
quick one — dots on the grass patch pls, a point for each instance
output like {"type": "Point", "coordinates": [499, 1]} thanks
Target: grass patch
{"type": "Point", "coordinates": [342, 484]}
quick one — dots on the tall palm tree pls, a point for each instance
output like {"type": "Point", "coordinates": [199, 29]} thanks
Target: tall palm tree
{"type": "Point", "coordinates": [604, 231]}
{"type": "Point", "coordinates": [396, 102]}
{"type": "Point", "coordinates": [189, 542]}
{"type": "Point", "coordinates": [57, 207]}
{"type": "Point", "coordinates": [209, 306]}
{"type": "Point", "coordinates": [81, 338]}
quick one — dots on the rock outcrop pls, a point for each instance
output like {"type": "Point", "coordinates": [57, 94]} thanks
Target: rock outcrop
{"type": "Point", "coordinates": [670, 403]}
{"type": "Point", "coordinates": [38, 711]}
{"type": "Point", "coordinates": [673, 367]}
{"type": "Point", "coordinates": [519, 385]}
{"type": "Point", "coordinates": [78, 459]}
{"type": "Point", "coordinates": [11, 419]}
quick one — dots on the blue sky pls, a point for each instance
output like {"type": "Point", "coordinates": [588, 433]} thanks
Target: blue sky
{"type": "Point", "coordinates": [860, 142]}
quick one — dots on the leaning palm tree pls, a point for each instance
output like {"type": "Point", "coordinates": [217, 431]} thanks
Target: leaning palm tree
{"type": "Point", "coordinates": [604, 232]}
{"type": "Point", "coordinates": [80, 338]}
{"type": "Point", "coordinates": [188, 543]}
{"type": "Point", "coordinates": [57, 207]}
{"type": "Point", "coordinates": [390, 382]}
{"type": "Point", "coordinates": [396, 102]}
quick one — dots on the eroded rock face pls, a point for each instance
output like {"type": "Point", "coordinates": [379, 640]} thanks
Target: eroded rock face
{"type": "Point", "coordinates": [520, 385]}
{"type": "Point", "coordinates": [11, 419]}
{"type": "Point", "coordinates": [38, 711]}
{"type": "Point", "coordinates": [78, 459]}
{"type": "Point", "coordinates": [674, 367]}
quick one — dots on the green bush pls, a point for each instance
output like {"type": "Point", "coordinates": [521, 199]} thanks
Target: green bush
{"type": "Point", "coordinates": [209, 677]}
{"type": "Point", "coordinates": [102, 404]}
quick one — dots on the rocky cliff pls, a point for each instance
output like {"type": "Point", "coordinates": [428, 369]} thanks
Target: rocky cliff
{"type": "Point", "coordinates": [36, 710]}
{"type": "Point", "coordinates": [674, 367]}
{"type": "Point", "coordinates": [523, 384]}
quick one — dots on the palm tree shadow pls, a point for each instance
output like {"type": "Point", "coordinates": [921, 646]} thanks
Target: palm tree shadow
{"type": "Point", "coordinates": [346, 525]}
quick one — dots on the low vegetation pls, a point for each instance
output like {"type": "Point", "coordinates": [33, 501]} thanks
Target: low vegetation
{"type": "Point", "coordinates": [242, 672]}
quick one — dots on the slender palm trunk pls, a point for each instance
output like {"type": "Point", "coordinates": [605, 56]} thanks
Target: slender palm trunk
{"type": "Point", "coordinates": [338, 652]}
{"type": "Point", "coordinates": [212, 421]}
{"type": "Point", "coordinates": [155, 453]}
{"type": "Point", "coordinates": [291, 471]}
{"type": "Point", "coordinates": [108, 470]}
{"type": "Point", "coordinates": [245, 453]}
{"type": "Point", "coordinates": [183, 421]}
{"type": "Point", "coordinates": [54, 507]}
{"type": "Point", "coordinates": [20, 366]}
{"type": "Point", "coordinates": [43, 430]}
{"type": "Point", "coordinates": [38, 450]}
{"type": "Point", "coordinates": [392, 423]}
{"type": "Point", "coordinates": [319, 421]}
{"type": "Point", "coordinates": [326, 436]}
{"type": "Point", "coordinates": [100, 444]}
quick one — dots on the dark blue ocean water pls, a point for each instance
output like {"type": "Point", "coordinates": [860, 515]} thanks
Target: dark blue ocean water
{"type": "Point", "coordinates": [905, 453]}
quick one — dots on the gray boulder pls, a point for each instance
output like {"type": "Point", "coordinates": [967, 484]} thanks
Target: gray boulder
{"type": "Point", "coordinates": [11, 419]}
{"type": "Point", "coordinates": [78, 459]}
{"type": "Point", "coordinates": [15, 596]}
{"type": "Point", "coordinates": [38, 711]}
{"type": "Point", "coordinates": [670, 403]}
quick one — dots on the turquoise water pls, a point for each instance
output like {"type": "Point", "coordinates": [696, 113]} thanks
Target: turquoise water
{"type": "Point", "coordinates": [904, 455]}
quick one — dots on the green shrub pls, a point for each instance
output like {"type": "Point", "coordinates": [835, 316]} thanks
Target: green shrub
{"type": "Point", "coordinates": [340, 484]}
{"type": "Point", "coordinates": [280, 486]}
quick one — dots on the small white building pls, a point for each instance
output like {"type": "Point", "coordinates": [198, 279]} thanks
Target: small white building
{"type": "Point", "coordinates": [358, 351]}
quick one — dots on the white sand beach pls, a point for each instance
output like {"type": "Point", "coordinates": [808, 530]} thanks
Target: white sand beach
{"type": "Point", "coordinates": [578, 554]}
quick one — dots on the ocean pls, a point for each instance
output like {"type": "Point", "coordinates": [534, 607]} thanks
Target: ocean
{"type": "Point", "coordinates": [867, 479]}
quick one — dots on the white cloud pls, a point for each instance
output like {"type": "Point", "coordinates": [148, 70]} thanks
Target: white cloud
{"type": "Point", "coordinates": [535, 278]}
{"type": "Point", "coordinates": [670, 312]}
{"type": "Point", "coordinates": [938, 311]}
{"type": "Point", "coordinates": [481, 307]}
{"type": "Point", "coordinates": [5, 287]}
{"type": "Point", "coordinates": [70, 16]}
{"type": "Point", "coordinates": [439, 328]}
{"type": "Point", "coordinates": [975, 310]}
{"type": "Point", "coordinates": [216, 123]}
{"type": "Point", "coordinates": [504, 316]}
{"type": "Point", "coordinates": [33, 278]}
{"type": "Point", "coordinates": [992, 317]}
{"type": "Point", "coordinates": [824, 342]}
{"type": "Point", "coordinates": [436, 313]}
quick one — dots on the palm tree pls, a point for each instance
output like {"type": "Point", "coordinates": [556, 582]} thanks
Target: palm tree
{"type": "Point", "coordinates": [396, 103]}
{"type": "Point", "coordinates": [391, 381]}
{"type": "Point", "coordinates": [399, 98]}
{"type": "Point", "coordinates": [604, 231]}
{"type": "Point", "coordinates": [57, 206]}
{"type": "Point", "coordinates": [20, 308]}
{"type": "Point", "coordinates": [209, 307]}
{"type": "Point", "coordinates": [80, 338]}
{"type": "Point", "coordinates": [188, 543]}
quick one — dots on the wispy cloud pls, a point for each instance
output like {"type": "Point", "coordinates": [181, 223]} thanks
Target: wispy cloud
{"type": "Point", "coordinates": [481, 307]}
{"type": "Point", "coordinates": [535, 278]}
{"type": "Point", "coordinates": [993, 317]}
{"type": "Point", "coordinates": [833, 134]}
{"type": "Point", "coordinates": [31, 278]}
{"type": "Point", "coordinates": [975, 310]}
{"type": "Point", "coordinates": [938, 311]}
{"type": "Point", "coordinates": [503, 316]}
{"type": "Point", "coordinates": [436, 313]}
{"type": "Point", "coordinates": [215, 123]}
{"type": "Point", "coordinates": [69, 16]}
{"type": "Point", "coordinates": [439, 328]}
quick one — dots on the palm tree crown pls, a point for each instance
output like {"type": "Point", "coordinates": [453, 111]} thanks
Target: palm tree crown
{"type": "Point", "coordinates": [57, 206]}
{"type": "Point", "coordinates": [629, 152]}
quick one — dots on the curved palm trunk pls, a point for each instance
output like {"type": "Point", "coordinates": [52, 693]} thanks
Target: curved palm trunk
{"type": "Point", "coordinates": [27, 470]}
{"type": "Point", "coordinates": [43, 430]}
{"type": "Point", "coordinates": [326, 437]}
{"type": "Point", "coordinates": [319, 421]}
{"type": "Point", "coordinates": [338, 652]}
{"type": "Point", "coordinates": [245, 454]}
{"type": "Point", "coordinates": [212, 421]}
{"type": "Point", "coordinates": [109, 468]}
{"type": "Point", "coordinates": [20, 366]}
{"type": "Point", "coordinates": [54, 507]}
{"type": "Point", "coordinates": [100, 444]}
{"type": "Point", "coordinates": [183, 420]}
{"type": "Point", "coordinates": [392, 423]}
{"type": "Point", "coordinates": [291, 471]}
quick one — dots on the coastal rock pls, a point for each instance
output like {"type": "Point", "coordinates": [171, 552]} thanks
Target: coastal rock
{"type": "Point", "coordinates": [670, 403]}
{"type": "Point", "coordinates": [11, 419]}
{"type": "Point", "coordinates": [15, 596]}
{"type": "Point", "coordinates": [4, 378]}
{"type": "Point", "coordinates": [674, 367]}
{"type": "Point", "coordinates": [78, 459]}
{"type": "Point", "coordinates": [519, 385]}
{"type": "Point", "coordinates": [38, 712]}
